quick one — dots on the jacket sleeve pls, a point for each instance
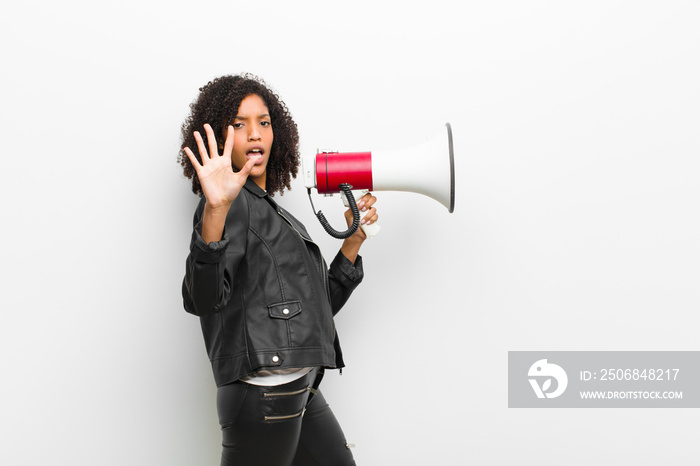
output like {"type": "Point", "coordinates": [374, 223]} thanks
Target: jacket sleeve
{"type": "Point", "coordinates": [210, 269]}
{"type": "Point", "coordinates": [343, 278]}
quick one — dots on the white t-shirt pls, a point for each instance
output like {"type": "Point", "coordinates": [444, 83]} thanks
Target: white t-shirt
{"type": "Point", "coordinates": [276, 376]}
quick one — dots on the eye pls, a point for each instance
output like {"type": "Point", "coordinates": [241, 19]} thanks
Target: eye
{"type": "Point", "coordinates": [237, 125]}
{"type": "Point", "coordinates": [265, 123]}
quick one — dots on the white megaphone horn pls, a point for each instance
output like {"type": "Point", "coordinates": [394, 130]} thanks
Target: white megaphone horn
{"type": "Point", "coordinates": [426, 169]}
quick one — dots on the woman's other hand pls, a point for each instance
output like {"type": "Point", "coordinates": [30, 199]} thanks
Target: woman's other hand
{"type": "Point", "coordinates": [368, 215]}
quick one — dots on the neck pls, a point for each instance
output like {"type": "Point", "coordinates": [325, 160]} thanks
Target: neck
{"type": "Point", "coordinates": [261, 181]}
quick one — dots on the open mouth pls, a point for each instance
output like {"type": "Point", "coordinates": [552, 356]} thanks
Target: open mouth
{"type": "Point", "coordinates": [255, 152]}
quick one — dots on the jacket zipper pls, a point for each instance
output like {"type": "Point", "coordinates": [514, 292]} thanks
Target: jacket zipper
{"type": "Point", "coordinates": [321, 268]}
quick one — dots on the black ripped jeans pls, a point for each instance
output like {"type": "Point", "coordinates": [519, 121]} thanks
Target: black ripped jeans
{"type": "Point", "coordinates": [279, 426]}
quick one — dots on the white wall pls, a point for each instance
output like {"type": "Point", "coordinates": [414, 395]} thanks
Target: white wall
{"type": "Point", "coordinates": [576, 224]}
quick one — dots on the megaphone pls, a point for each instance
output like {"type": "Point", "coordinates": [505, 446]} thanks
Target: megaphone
{"type": "Point", "coordinates": [426, 169]}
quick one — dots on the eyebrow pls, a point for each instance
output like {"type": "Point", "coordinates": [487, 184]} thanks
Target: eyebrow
{"type": "Point", "coordinates": [264, 115]}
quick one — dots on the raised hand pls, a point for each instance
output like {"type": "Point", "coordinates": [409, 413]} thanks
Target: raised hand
{"type": "Point", "coordinates": [220, 184]}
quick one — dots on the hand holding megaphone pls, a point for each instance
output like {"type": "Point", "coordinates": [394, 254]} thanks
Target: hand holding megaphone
{"type": "Point", "coordinates": [364, 205]}
{"type": "Point", "coordinates": [422, 169]}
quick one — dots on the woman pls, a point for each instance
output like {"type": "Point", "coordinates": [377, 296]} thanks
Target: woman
{"type": "Point", "coordinates": [265, 297]}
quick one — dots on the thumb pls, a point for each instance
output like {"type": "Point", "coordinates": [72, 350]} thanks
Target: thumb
{"type": "Point", "coordinates": [245, 171]}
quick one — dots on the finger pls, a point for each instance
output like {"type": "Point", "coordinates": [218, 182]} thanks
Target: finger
{"type": "Point", "coordinates": [367, 201]}
{"type": "Point", "coordinates": [228, 145]}
{"type": "Point", "coordinates": [245, 171]}
{"type": "Point", "coordinates": [202, 150]}
{"type": "Point", "coordinates": [371, 217]}
{"type": "Point", "coordinates": [213, 150]}
{"type": "Point", "coordinates": [193, 159]}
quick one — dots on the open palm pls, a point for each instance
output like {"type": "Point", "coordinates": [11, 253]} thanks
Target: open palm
{"type": "Point", "coordinates": [220, 184]}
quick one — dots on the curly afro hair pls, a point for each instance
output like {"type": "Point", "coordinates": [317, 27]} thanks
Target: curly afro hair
{"type": "Point", "coordinates": [218, 104]}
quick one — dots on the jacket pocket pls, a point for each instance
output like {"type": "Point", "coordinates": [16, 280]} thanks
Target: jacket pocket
{"type": "Point", "coordinates": [285, 310]}
{"type": "Point", "coordinates": [283, 328]}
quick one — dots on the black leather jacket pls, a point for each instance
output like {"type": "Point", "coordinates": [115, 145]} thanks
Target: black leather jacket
{"type": "Point", "coordinates": [264, 294]}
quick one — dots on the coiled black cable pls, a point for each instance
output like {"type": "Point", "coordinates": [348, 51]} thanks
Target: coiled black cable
{"type": "Point", "coordinates": [347, 189]}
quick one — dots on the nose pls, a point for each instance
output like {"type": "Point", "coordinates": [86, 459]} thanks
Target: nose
{"type": "Point", "coordinates": [254, 133]}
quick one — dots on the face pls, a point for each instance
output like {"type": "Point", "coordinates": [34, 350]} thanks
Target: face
{"type": "Point", "coordinates": [252, 137]}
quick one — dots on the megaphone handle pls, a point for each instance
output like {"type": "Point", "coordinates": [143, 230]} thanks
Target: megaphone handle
{"type": "Point", "coordinates": [370, 230]}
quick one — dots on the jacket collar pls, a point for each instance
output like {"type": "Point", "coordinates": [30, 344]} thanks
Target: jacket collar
{"type": "Point", "coordinates": [253, 188]}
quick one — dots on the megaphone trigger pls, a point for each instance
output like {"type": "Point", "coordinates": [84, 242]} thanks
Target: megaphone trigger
{"type": "Point", "coordinates": [369, 230]}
